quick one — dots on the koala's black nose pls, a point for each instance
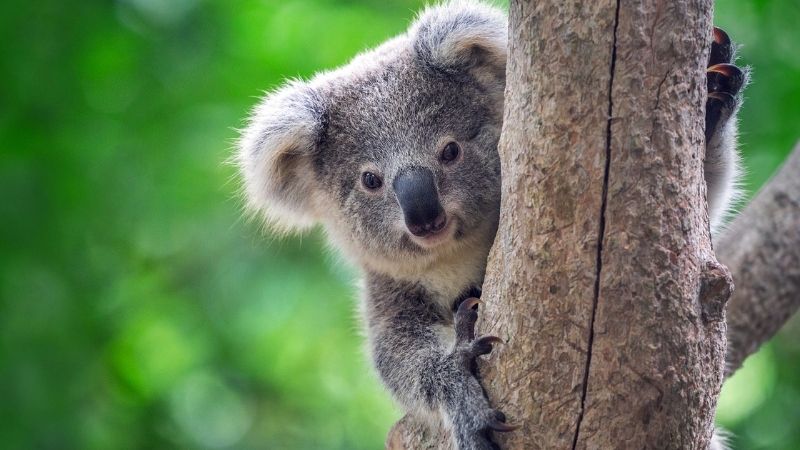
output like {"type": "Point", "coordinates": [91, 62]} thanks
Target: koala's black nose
{"type": "Point", "coordinates": [416, 192]}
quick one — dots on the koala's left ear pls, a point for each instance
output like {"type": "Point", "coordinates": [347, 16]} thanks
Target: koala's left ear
{"type": "Point", "coordinates": [462, 35]}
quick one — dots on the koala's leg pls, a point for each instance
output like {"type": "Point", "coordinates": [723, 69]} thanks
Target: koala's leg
{"type": "Point", "coordinates": [725, 82]}
{"type": "Point", "coordinates": [427, 377]}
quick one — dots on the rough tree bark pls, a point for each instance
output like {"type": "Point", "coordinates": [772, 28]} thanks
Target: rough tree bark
{"type": "Point", "coordinates": [762, 249]}
{"type": "Point", "coordinates": [602, 278]}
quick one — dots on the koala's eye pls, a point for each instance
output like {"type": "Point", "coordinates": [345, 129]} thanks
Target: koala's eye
{"type": "Point", "coordinates": [371, 181]}
{"type": "Point", "coordinates": [450, 152]}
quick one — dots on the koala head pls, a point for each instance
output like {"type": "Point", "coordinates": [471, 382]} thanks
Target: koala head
{"type": "Point", "coordinates": [394, 153]}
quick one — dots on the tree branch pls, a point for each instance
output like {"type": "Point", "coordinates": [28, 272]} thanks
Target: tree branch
{"type": "Point", "coordinates": [762, 249]}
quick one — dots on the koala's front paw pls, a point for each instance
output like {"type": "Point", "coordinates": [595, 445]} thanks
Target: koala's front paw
{"type": "Point", "coordinates": [472, 417]}
{"type": "Point", "coordinates": [724, 81]}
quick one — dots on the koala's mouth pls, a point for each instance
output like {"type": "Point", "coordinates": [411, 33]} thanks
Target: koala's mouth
{"type": "Point", "coordinates": [436, 238]}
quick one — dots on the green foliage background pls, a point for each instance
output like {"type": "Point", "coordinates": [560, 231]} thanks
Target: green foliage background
{"type": "Point", "coordinates": [139, 310]}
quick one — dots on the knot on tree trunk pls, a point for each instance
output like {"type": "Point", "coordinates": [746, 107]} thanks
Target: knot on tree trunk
{"type": "Point", "coordinates": [716, 287]}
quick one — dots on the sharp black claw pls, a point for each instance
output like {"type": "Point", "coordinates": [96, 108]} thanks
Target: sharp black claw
{"type": "Point", "coordinates": [470, 303]}
{"type": "Point", "coordinates": [721, 48]}
{"type": "Point", "coordinates": [503, 427]}
{"type": "Point", "coordinates": [721, 37]}
{"type": "Point", "coordinates": [465, 317]}
{"type": "Point", "coordinates": [724, 78]}
{"type": "Point", "coordinates": [729, 70]}
{"type": "Point", "coordinates": [485, 344]}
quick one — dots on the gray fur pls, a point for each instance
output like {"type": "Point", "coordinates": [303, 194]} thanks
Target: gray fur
{"type": "Point", "coordinates": [393, 107]}
{"type": "Point", "coordinates": [275, 151]}
{"type": "Point", "coordinates": [722, 165]}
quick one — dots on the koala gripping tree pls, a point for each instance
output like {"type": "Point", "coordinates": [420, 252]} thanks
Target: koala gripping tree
{"type": "Point", "coordinates": [602, 279]}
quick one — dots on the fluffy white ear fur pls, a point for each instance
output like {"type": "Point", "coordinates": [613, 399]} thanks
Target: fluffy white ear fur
{"type": "Point", "coordinates": [461, 34]}
{"type": "Point", "coordinates": [275, 153]}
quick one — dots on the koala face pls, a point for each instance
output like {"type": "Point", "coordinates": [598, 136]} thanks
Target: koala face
{"type": "Point", "coordinates": [410, 161]}
{"type": "Point", "coordinates": [395, 153]}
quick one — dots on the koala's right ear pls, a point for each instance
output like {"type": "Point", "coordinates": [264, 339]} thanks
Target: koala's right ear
{"type": "Point", "coordinates": [460, 35]}
{"type": "Point", "coordinates": [275, 156]}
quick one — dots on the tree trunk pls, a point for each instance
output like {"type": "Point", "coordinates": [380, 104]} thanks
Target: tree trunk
{"type": "Point", "coordinates": [602, 278]}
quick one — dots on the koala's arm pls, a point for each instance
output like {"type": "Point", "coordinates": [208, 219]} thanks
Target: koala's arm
{"type": "Point", "coordinates": [722, 166]}
{"type": "Point", "coordinates": [426, 374]}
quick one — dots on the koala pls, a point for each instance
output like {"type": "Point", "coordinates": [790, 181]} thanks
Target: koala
{"type": "Point", "coordinates": [395, 156]}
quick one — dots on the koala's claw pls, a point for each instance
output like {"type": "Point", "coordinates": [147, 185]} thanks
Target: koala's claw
{"type": "Point", "coordinates": [502, 427]}
{"type": "Point", "coordinates": [465, 317]}
{"type": "Point", "coordinates": [720, 36]}
{"type": "Point", "coordinates": [724, 81]}
{"type": "Point", "coordinates": [469, 304]}
{"type": "Point", "coordinates": [478, 417]}
{"type": "Point", "coordinates": [484, 345]}
{"type": "Point", "coordinates": [724, 77]}
{"type": "Point", "coordinates": [721, 48]}
{"type": "Point", "coordinates": [499, 423]}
